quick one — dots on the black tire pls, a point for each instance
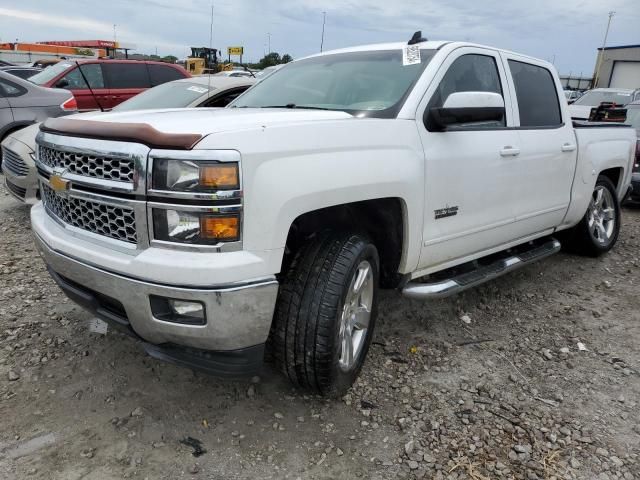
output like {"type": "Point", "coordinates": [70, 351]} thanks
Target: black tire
{"type": "Point", "coordinates": [305, 335]}
{"type": "Point", "coordinates": [582, 238]}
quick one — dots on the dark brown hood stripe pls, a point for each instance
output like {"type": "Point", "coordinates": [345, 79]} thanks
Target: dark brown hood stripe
{"type": "Point", "coordinates": [125, 132]}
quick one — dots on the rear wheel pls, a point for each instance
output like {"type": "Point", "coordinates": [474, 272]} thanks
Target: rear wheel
{"type": "Point", "coordinates": [326, 312]}
{"type": "Point", "coordinates": [598, 230]}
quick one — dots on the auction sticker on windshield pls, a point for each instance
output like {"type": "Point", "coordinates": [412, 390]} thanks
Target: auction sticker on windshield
{"type": "Point", "coordinates": [193, 88]}
{"type": "Point", "coordinates": [411, 55]}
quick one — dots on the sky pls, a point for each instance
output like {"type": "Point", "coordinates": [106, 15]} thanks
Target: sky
{"type": "Point", "coordinates": [567, 32]}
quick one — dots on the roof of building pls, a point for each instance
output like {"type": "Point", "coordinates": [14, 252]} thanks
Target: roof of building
{"type": "Point", "coordinates": [620, 47]}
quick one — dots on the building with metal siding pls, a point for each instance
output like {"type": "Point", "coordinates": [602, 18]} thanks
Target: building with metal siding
{"type": "Point", "coordinates": [619, 67]}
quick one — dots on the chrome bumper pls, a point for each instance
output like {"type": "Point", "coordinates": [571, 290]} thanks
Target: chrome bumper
{"type": "Point", "coordinates": [237, 315]}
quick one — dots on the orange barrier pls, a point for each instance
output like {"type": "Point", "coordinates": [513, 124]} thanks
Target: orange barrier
{"type": "Point", "coordinates": [54, 49]}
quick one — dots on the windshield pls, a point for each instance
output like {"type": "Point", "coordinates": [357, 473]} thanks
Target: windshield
{"type": "Point", "coordinates": [595, 98]}
{"type": "Point", "coordinates": [168, 95]}
{"type": "Point", "coordinates": [371, 83]}
{"type": "Point", "coordinates": [50, 73]}
{"type": "Point", "coordinates": [633, 118]}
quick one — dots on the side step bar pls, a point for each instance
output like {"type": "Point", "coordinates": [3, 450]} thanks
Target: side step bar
{"type": "Point", "coordinates": [451, 286]}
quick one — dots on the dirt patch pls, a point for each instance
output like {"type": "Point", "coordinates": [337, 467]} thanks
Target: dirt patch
{"type": "Point", "coordinates": [540, 380]}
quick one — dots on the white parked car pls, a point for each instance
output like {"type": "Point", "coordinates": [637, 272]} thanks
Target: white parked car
{"type": "Point", "coordinates": [581, 108]}
{"type": "Point", "coordinates": [235, 74]}
{"type": "Point", "coordinates": [18, 150]}
{"type": "Point", "coordinates": [572, 95]}
{"type": "Point", "coordinates": [211, 234]}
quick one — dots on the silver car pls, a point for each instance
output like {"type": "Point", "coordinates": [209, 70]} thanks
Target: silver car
{"type": "Point", "coordinates": [23, 103]}
{"type": "Point", "coordinates": [18, 150]}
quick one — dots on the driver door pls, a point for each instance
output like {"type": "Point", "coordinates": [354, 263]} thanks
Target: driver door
{"type": "Point", "coordinates": [471, 180]}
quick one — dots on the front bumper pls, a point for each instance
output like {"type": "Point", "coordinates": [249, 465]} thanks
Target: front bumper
{"type": "Point", "coordinates": [21, 176]}
{"type": "Point", "coordinates": [237, 316]}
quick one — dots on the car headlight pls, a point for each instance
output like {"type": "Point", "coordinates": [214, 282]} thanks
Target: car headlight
{"type": "Point", "coordinates": [195, 227]}
{"type": "Point", "coordinates": [195, 176]}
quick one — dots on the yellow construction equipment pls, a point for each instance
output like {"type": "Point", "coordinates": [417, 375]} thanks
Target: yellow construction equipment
{"type": "Point", "coordinates": [204, 60]}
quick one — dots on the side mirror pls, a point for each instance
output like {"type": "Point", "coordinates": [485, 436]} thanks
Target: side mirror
{"type": "Point", "coordinates": [466, 108]}
{"type": "Point", "coordinates": [62, 83]}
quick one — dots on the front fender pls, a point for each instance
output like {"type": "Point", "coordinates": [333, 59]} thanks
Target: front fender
{"type": "Point", "coordinates": [295, 169]}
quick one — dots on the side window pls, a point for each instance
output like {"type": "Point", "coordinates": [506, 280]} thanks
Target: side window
{"type": "Point", "coordinates": [10, 89]}
{"type": "Point", "coordinates": [75, 80]}
{"type": "Point", "coordinates": [161, 74]}
{"type": "Point", "coordinates": [127, 75]}
{"type": "Point", "coordinates": [469, 73]}
{"type": "Point", "coordinates": [224, 99]}
{"type": "Point", "coordinates": [537, 95]}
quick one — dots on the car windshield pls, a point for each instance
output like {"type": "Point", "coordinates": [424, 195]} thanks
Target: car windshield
{"type": "Point", "coordinates": [50, 73]}
{"type": "Point", "coordinates": [22, 73]}
{"type": "Point", "coordinates": [168, 95]}
{"type": "Point", "coordinates": [595, 98]}
{"type": "Point", "coordinates": [369, 83]}
{"type": "Point", "coordinates": [633, 117]}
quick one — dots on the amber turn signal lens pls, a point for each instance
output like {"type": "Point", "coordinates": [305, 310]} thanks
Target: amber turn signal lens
{"type": "Point", "coordinates": [222, 176]}
{"type": "Point", "coordinates": [220, 228]}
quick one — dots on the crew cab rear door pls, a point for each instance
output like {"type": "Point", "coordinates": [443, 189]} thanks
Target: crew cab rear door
{"type": "Point", "coordinates": [470, 177]}
{"type": "Point", "coordinates": [548, 149]}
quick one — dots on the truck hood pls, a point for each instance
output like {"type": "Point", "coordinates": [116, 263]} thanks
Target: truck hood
{"type": "Point", "coordinates": [206, 121]}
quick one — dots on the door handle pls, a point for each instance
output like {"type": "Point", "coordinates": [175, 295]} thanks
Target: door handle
{"type": "Point", "coordinates": [509, 151]}
{"type": "Point", "coordinates": [568, 147]}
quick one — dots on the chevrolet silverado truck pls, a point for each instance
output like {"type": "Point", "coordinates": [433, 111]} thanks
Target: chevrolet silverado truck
{"type": "Point", "coordinates": [265, 230]}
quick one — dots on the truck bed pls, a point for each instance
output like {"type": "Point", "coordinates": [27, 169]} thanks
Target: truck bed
{"type": "Point", "coordinates": [588, 124]}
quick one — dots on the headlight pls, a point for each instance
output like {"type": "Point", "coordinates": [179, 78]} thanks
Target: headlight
{"type": "Point", "coordinates": [201, 228]}
{"type": "Point", "coordinates": [195, 176]}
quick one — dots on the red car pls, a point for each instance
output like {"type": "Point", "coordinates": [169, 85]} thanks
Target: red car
{"type": "Point", "coordinates": [111, 81]}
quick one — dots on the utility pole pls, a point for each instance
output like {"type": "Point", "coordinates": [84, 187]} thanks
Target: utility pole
{"type": "Point", "coordinates": [601, 56]}
{"type": "Point", "coordinates": [115, 38]}
{"type": "Point", "coordinates": [211, 28]}
{"type": "Point", "coordinates": [269, 40]}
{"type": "Point", "coordinates": [324, 19]}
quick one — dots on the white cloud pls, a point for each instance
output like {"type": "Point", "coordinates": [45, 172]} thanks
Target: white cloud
{"type": "Point", "coordinates": [570, 30]}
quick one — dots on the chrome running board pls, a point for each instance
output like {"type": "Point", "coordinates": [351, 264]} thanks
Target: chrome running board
{"type": "Point", "coordinates": [481, 274]}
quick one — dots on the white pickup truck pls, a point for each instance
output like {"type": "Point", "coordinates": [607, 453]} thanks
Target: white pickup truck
{"type": "Point", "coordinates": [427, 167]}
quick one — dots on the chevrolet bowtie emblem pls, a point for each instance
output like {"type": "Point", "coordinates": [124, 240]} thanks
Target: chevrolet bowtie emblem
{"type": "Point", "coordinates": [58, 183]}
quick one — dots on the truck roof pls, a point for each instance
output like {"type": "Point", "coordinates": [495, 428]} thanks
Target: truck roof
{"type": "Point", "coordinates": [428, 45]}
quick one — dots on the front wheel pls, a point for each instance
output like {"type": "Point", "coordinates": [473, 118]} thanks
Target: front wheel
{"type": "Point", "coordinates": [598, 230]}
{"type": "Point", "coordinates": [326, 312]}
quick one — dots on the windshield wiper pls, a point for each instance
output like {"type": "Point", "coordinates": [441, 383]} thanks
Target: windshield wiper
{"type": "Point", "coordinates": [293, 105]}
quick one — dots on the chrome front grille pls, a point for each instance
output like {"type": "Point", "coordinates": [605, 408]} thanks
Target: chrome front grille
{"type": "Point", "coordinates": [89, 165]}
{"type": "Point", "coordinates": [110, 221]}
{"type": "Point", "coordinates": [12, 162]}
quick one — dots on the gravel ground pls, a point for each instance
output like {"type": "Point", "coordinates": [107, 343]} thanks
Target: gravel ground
{"type": "Point", "coordinates": [533, 376]}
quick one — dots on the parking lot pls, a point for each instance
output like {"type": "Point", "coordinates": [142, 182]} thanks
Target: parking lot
{"type": "Point", "coordinates": [535, 375]}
